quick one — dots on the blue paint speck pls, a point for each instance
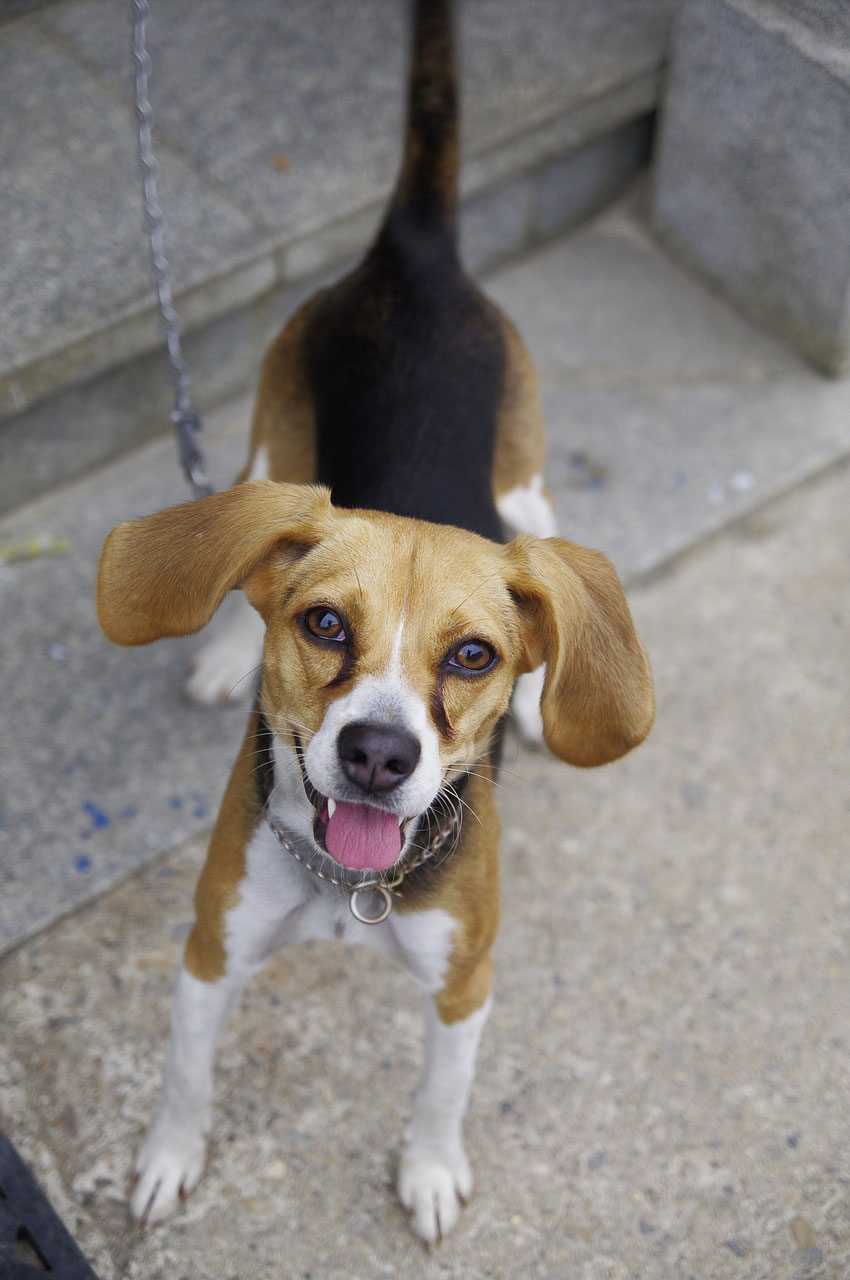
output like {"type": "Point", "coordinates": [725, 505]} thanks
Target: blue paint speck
{"type": "Point", "coordinates": [82, 864]}
{"type": "Point", "coordinates": [129, 811]}
{"type": "Point", "coordinates": [176, 802]}
{"type": "Point", "coordinates": [199, 811]}
{"type": "Point", "coordinates": [98, 817]}
{"type": "Point", "coordinates": [679, 477]}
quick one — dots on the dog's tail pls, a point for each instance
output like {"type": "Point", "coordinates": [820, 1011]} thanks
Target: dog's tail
{"type": "Point", "coordinates": [426, 189]}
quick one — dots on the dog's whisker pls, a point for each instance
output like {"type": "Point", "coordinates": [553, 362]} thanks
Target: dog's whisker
{"type": "Point", "coordinates": [242, 679]}
{"type": "Point", "coordinates": [497, 573]}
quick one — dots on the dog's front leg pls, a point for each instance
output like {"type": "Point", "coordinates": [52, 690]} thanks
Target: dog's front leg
{"type": "Point", "coordinates": [171, 1159]}
{"type": "Point", "coordinates": [434, 1176]}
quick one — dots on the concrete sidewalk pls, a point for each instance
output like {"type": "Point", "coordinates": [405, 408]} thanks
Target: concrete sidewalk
{"type": "Point", "coordinates": [664, 1087]}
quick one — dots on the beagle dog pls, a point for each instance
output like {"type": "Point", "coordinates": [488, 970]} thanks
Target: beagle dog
{"type": "Point", "coordinates": [397, 426]}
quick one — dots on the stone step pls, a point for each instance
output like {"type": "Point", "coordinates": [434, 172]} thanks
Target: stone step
{"type": "Point", "coordinates": [752, 181]}
{"type": "Point", "coordinates": [277, 134]}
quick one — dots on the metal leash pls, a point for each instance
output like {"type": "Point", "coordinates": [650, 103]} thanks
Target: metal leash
{"type": "Point", "coordinates": [187, 423]}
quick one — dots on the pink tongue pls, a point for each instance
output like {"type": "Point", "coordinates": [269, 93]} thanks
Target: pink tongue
{"type": "Point", "coordinates": [362, 838]}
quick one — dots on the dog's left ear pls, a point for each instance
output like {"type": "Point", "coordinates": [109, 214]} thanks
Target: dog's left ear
{"type": "Point", "coordinates": [166, 575]}
{"type": "Point", "coordinates": [597, 700]}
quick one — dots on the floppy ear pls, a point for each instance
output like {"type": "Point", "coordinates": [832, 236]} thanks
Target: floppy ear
{"type": "Point", "coordinates": [167, 574]}
{"type": "Point", "coordinates": [597, 700]}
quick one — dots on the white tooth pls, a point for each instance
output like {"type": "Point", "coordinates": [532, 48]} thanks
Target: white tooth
{"type": "Point", "coordinates": [331, 807]}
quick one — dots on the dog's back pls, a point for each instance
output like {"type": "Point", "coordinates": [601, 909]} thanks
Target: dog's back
{"type": "Point", "coordinates": [402, 388]}
{"type": "Point", "coordinates": [404, 358]}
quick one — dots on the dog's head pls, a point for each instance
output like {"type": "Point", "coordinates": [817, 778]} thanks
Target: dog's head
{"type": "Point", "coordinates": [392, 645]}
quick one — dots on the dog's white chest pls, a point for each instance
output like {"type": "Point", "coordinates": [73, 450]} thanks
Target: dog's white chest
{"type": "Point", "coordinates": [280, 901]}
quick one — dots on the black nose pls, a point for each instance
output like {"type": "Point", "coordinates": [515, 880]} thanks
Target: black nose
{"type": "Point", "coordinates": [377, 757]}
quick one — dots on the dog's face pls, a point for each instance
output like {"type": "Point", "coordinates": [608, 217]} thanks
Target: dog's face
{"type": "Point", "coordinates": [392, 645]}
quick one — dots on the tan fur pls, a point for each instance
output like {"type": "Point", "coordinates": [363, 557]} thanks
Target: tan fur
{"type": "Point", "coordinates": [520, 435]}
{"type": "Point", "coordinates": [378, 569]}
{"type": "Point", "coordinates": [167, 574]}
{"type": "Point", "coordinates": [598, 698]}
{"type": "Point", "coordinates": [468, 889]}
{"type": "Point", "coordinates": [218, 886]}
{"type": "Point", "coordinates": [284, 418]}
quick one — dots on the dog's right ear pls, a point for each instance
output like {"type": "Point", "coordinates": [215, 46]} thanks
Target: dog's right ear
{"type": "Point", "coordinates": [166, 575]}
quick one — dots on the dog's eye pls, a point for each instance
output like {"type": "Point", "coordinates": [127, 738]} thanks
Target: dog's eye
{"type": "Point", "coordinates": [325, 624]}
{"type": "Point", "coordinates": [473, 655]}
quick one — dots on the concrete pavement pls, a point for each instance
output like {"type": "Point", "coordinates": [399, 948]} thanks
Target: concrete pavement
{"type": "Point", "coordinates": [664, 1086]}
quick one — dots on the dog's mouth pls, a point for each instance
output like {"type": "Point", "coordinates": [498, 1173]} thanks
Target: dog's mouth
{"type": "Point", "coordinates": [357, 836]}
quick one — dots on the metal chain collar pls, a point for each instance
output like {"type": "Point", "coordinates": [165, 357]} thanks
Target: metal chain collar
{"type": "Point", "coordinates": [384, 887]}
{"type": "Point", "coordinates": [187, 423]}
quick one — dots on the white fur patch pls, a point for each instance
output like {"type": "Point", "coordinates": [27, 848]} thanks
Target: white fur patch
{"type": "Point", "coordinates": [223, 669]}
{"type": "Point", "coordinates": [425, 943]}
{"type": "Point", "coordinates": [525, 706]}
{"type": "Point", "coordinates": [527, 509]}
{"type": "Point", "coordinates": [260, 464]}
{"type": "Point", "coordinates": [385, 699]}
{"type": "Point", "coordinates": [172, 1157]}
{"type": "Point", "coordinates": [434, 1175]}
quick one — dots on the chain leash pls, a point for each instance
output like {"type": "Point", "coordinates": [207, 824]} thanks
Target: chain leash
{"type": "Point", "coordinates": [187, 422]}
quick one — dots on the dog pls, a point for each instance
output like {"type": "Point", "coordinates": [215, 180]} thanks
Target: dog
{"type": "Point", "coordinates": [397, 427]}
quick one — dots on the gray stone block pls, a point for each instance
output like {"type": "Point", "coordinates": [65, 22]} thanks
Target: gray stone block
{"type": "Point", "coordinates": [753, 171]}
{"type": "Point", "coordinates": [582, 181]}
{"type": "Point", "coordinates": [86, 424]}
{"type": "Point", "coordinates": [322, 83]}
{"type": "Point", "coordinates": [496, 222]}
{"type": "Point", "coordinates": [278, 137]}
{"type": "Point", "coordinates": [74, 275]}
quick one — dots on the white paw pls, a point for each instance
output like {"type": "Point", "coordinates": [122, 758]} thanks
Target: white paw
{"type": "Point", "coordinates": [225, 668]}
{"type": "Point", "coordinates": [432, 1185]}
{"type": "Point", "coordinates": [220, 672]}
{"type": "Point", "coordinates": [169, 1165]}
{"type": "Point", "coordinates": [526, 707]}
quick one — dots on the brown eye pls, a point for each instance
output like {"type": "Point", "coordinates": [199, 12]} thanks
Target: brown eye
{"type": "Point", "coordinates": [473, 655]}
{"type": "Point", "coordinates": [325, 624]}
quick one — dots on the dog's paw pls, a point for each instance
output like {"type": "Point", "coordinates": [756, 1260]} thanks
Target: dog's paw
{"type": "Point", "coordinates": [169, 1164]}
{"type": "Point", "coordinates": [222, 671]}
{"type": "Point", "coordinates": [432, 1185]}
{"type": "Point", "coordinates": [525, 706]}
